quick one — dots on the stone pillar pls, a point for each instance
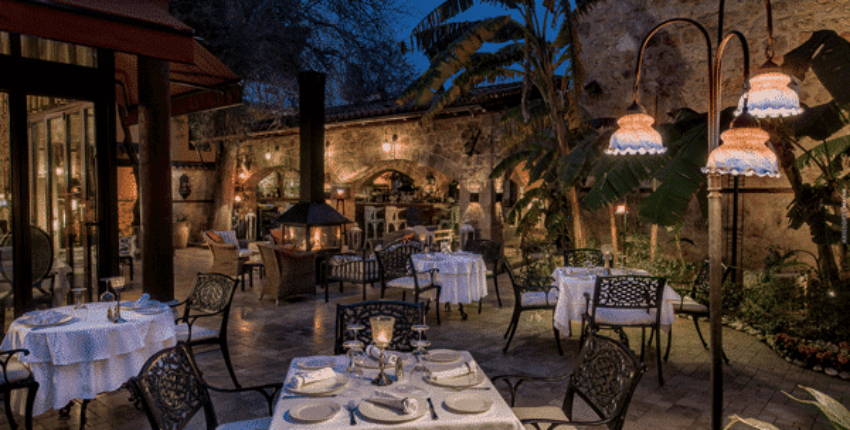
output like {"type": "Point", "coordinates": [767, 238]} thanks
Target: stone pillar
{"type": "Point", "coordinates": [155, 179]}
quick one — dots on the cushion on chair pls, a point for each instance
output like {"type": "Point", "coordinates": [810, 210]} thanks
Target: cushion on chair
{"type": "Point", "coordinates": [277, 236]}
{"type": "Point", "coordinates": [229, 237]}
{"type": "Point", "coordinates": [215, 237]}
{"type": "Point", "coordinates": [624, 317]}
{"type": "Point", "coordinates": [125, 246]}
{"type": "Point", "coordinates": [544, 412]}
{"type": "Point", "coordinates": [245, 253]}
{"type": "Point", "coordinates": [538, 298]}
{"type": "Point", "coordinates": [16, 371]}
{"type": "Point", "coordinates": [256, 424]}
{"type": "Point", "coordinates": [408, 284]}
{"type": "Point", "coordinates": [181, 331]}
{"type": "Point", "coordinates": [690, 306]}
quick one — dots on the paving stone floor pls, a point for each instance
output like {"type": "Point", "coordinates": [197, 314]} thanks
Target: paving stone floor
{"type": "Point", "coordinates": [265, 337]}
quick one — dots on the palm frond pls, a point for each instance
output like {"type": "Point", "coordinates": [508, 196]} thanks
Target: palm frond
{"type": "Point", "coordinates": [835, 149]}
{"type": "Point", "coordinates": [442, 13]}
{"type": "Point", "coordinates": [509, 163]}
{"type": "Point", "coordinates": [828, 55]}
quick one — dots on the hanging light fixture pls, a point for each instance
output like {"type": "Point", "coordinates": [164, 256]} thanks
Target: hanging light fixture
{"type": "Point", "coordinates": [744, 150]}
{"type": "Point", "coordinates": [635, 135]}
{"type": "Point", "coordinates": [770, 94]}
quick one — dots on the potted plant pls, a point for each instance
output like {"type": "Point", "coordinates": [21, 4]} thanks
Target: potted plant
{"type": "Point", "coordinates": [181, 231]}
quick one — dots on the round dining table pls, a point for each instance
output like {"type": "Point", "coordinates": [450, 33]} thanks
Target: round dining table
{"type": "Point", "coordinates": [88, 355]}
{"type": "Point", "coordinates": [462, 275]}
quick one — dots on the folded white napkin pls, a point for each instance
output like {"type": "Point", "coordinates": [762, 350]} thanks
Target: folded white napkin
{"type": "Point", "coordinates": [303, 378]}
{"type": "Point", "coordinates": [375, 353]}
{"type": "Point", "coordinates": [407, 405]}
{"type": "Point", "coordinates": [463, 369]}
{"type": "Point", "coordinates": [143, 301]}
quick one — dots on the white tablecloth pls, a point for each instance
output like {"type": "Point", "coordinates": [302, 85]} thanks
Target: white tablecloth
{"type": "Point", "coordinates": [462, 276]}
{"type": "Point", "coordinates": [88, 356]}
{"type": "Point", "coordinates": [499, 417]}
{"type": "Point", "coordinates": [573, 282]}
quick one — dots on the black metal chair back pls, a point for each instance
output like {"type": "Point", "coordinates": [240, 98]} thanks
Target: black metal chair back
{"type": "Point", "coordinates": [172, 390]}
{"type": "Point", "coordinates": [583, 256]}
{"type": "Point", "coordinates": [523, 283]}
{"type": "Point", "coordinates": [406, 315]}
{"type": "Point", "coordinates": [41, 258]}
{"type": "Point", "coordinates": [605, 377]}
{"type": "Point", "coordinates": [395, 261]}
{"type": "Point", "coordinates": [491, 251]}
{"type": "Point", "coordinates": [15, 376]}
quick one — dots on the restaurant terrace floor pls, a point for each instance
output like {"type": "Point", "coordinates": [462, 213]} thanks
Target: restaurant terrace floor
{"type": "Point", "coordinates": [264, 338]}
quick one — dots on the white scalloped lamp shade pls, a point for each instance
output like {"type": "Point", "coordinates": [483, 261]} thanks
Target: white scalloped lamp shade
{"type": "Point", "coordinates": [635, 135]}
{"type": "Point", "coordinates": [744, 151]}
{"type": "Point", "coordinates": [770, 94]}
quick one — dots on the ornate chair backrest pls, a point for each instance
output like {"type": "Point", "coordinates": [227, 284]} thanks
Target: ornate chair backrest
{"type": "Point", "coordinates": [605, 377]}
{"type": "Point", "coordinates": [172, 390]}
{"type": "Point", "coordinates": [490, 251]}
{"type": "Point", "coordinates": [580, 257]}
{"type": "Point", "coordinates": [628, 292]}
{"type": "Point", "coordinates": [41, 259]}
{"type": "Point", "coordinates": [212, 293]}
{"type": "Point", "coordinates": [392, 213]}
{"type": "Point", "coordinates": [406, 314]}
{"type": "Point", "coordinates": [395, 261]}
{"type": "Point", "coordinates": [370, 213]}
{"type": "Point", "coordinates": [272, 267]}
{"type": "Point", "coordinates": [527, 282]}
{"type": "Point", "coordinates": [702, 285]}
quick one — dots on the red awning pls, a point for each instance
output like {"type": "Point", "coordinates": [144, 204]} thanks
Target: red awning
{"type": "Point", "coordinates": [134, 26]}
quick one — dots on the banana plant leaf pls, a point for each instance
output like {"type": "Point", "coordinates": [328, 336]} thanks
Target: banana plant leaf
{"type": "Point", "coordinates": [828, 55]}
{"type": "Point", "coordinates": [752, 422]}
{"type": "Point", "coordinates": [835, 412]}
{"type": "Point", "coordinates": [835, 149]}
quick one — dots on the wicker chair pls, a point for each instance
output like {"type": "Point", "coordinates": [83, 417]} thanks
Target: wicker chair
{"type": "Point", "coordinates": [491, 252]}
{"type": "Point", "coordinates": [357, 269]}
{"type": "Point", "coordinates": [211, 296]}
{"type": "Point", "coordinates": [689, 305]}
{"type": "Point", "coordinates": [397, 271]}
{"type": "Point", "coordinates": [581, 257]}
{"type": "Point", "coordinates": [406, 315]}
{"type": "Point", "coordinates": [171, 390]}
{"type": "Point", "coordinates": [287, 274]}
{"type": "Point", "coordinates": [605, 378]}
{"type": "Point", "coordinates": [16, 376]}
{"type": "Point", "coordinates": [627, 301]}
{"type": "Point", "coordinates": [226, 260]}
{"type": "Point", "coordinates": [531, 293]}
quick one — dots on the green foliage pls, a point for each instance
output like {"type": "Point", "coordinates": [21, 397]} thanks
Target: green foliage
{"type": "Point", "coordinates": [638, 256]}
{"type": "Point", "coordinates": [836, 413]}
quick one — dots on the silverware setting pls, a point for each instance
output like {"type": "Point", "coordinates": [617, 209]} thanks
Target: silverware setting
{"type": "Point", "coordinates": [433, 411]}
{"type": "Point", "coordinates": [306, 397]}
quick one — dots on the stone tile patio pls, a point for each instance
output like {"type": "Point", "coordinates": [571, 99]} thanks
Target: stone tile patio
{"type": "Point", "coordinates": [264, 338]}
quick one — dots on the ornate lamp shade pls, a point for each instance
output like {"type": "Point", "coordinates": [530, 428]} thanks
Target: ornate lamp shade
{"type": "Point", "coordinates": [635, 135]}
{"type": "Point", "coordinates": [744, 151]}
{"type": "Point", "coordinates": [770, 95]}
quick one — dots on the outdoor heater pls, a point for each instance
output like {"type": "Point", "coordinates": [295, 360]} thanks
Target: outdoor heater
{"type": "Point", "coordinates": [744, 152]}
{"type": "Point", "coordinates": [311, 224]}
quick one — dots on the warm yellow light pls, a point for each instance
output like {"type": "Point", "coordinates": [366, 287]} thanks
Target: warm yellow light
{"type": "Point", "coordinates": [268, 155]}
{"type": "Point", "coordinates": [635, 136]}
{"type": "Point", "coordinates": [743, 152]}
{"type": "Point", "coordinates": [770, 95]}
{"type": "Point", "coordinates": [238, 198]}
{"type": "Point", "coordinates": [621, 210]}
{"type": "Point", "coordinates": [243, 176]}
{"type": "Point", "coordinates": [59, 171]}
{"type": "Point", "coordinates": [387, 147]}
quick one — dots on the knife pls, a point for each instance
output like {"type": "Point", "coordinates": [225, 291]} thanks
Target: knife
{"type": "Point", "coordinates": [433, 412]}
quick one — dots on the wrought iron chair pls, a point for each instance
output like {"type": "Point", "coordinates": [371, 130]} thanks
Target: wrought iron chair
{"type": "Point", "coordinates": [406, 315]}
{"type": "Point", "coordinates": [491, 252]}
{"type": "Point", "coordinates": [627, 301]}
{"type": "Point", "coordinates": [531, 293]}
{"type": "Point", "coordinates": [211, 296]}
{"type": "Point", "coordinates": [692, 303]}
{"type": "Point", "coordinates": [605, 378]}
{"type": "Point", "coordinates": [41, 245]}
{"type": "Point", "coordinates": [397, 271]}
{"type": "Point", "coordinates": [356, 269]}
{"type": "Point", "coordinates": [580, 257]}
{"type": "Point", "coordinates": [172, 390]}
{"type": "Point", "coordinates": [16, 376]}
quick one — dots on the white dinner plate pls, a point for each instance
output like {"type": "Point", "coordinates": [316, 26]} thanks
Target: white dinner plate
{"type": "Point", "coordinates": [315, 412]}
{"type": "Point", "coordinates": [442, 356]}
{"type": "Point", "coordinates": [317, 363]}
{"type": "Point", "coordinates": [36, 321]}
{"type": "Point", "coordinates": [321, 388]}
{"type": "Point", "coordinates": [384, 414]}
{"type": "Point", "coordinates": [468, 380]}
{"type": "Point", "coordinates": [468, 403]}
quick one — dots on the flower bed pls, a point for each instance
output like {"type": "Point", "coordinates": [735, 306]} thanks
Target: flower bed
{"type": "Point", "coordinates": [821, 356]}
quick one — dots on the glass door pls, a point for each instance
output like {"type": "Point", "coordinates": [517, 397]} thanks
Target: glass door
{"type": "Point", "coordinates": [63, 192]}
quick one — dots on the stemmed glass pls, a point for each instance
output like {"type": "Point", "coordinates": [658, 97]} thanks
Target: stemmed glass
{"type": "Point", "coordinates": [79, 291]}
{"type": "Point", "coordinates": [420, 346]}
{"type": "Point", "coordinates": [117, 284]}
{"type": "Point", "coordinates": [354, 347]}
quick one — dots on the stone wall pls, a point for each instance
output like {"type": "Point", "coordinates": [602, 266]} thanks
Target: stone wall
{"type": "Point", "coordinates": [354, 157]}
{"type": "Point", "coordinates": [674, 75]}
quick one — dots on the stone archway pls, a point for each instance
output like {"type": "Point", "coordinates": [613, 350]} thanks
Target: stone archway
{"type": "Point", "coordinates": [417, 171]}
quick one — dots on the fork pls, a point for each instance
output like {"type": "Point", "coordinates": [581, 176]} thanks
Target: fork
{"type": "Point", "coordinates": [351, 407]}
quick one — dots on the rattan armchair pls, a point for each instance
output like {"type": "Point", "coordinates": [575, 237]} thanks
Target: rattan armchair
{"type": "Point", "coordinates": [288, 274]}
{"type": "Point", "coordinates": [171, 390]}
{"type": "Point", "coordinates": [211, 296]}
{"type": "Point", "coordinates": [605, 378]}
{"type": "Point", "coordinates": [16, 376]}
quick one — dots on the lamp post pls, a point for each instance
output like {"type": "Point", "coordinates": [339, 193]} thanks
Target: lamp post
{"type": "Point", "coordinates": [744, 153]}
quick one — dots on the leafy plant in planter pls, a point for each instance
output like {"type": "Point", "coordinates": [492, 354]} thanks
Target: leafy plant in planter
{"type": "Point", "coordinates": [837, 414]}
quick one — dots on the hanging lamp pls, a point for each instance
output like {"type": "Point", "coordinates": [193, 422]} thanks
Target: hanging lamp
{"type": "Point", "coordinates": [635, 135]}
{"type": "Point", "coordinates": [744, 150]}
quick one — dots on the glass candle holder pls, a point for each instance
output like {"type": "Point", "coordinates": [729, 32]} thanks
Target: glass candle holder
{"type": "Point", "coordinates": [382, 334]}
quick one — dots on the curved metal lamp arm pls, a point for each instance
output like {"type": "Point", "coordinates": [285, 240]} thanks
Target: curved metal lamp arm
{"type": "Point", "coordinates": [768, 52]}
{"type": "Point", "coordinates": [715, 87]}
{"type": "Point", "coordinates": [656, 30]}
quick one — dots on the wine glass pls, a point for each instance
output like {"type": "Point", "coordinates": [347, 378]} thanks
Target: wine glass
{"type": "Point", "coordinates": [79, 291]}
{"type": "Point", "coordinates": [117, 283]}
{"type": "Point", "coordinates": [353, 346]}
{"type": "Point", "coordinates": [420, 346]}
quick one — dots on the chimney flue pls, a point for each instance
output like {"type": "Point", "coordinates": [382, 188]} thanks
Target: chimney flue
{"type": "Point", "coordinates": [311, 94]}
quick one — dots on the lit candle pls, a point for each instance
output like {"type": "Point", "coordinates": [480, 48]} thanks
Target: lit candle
{"type": "Point", "coordinates": [382, 337]}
